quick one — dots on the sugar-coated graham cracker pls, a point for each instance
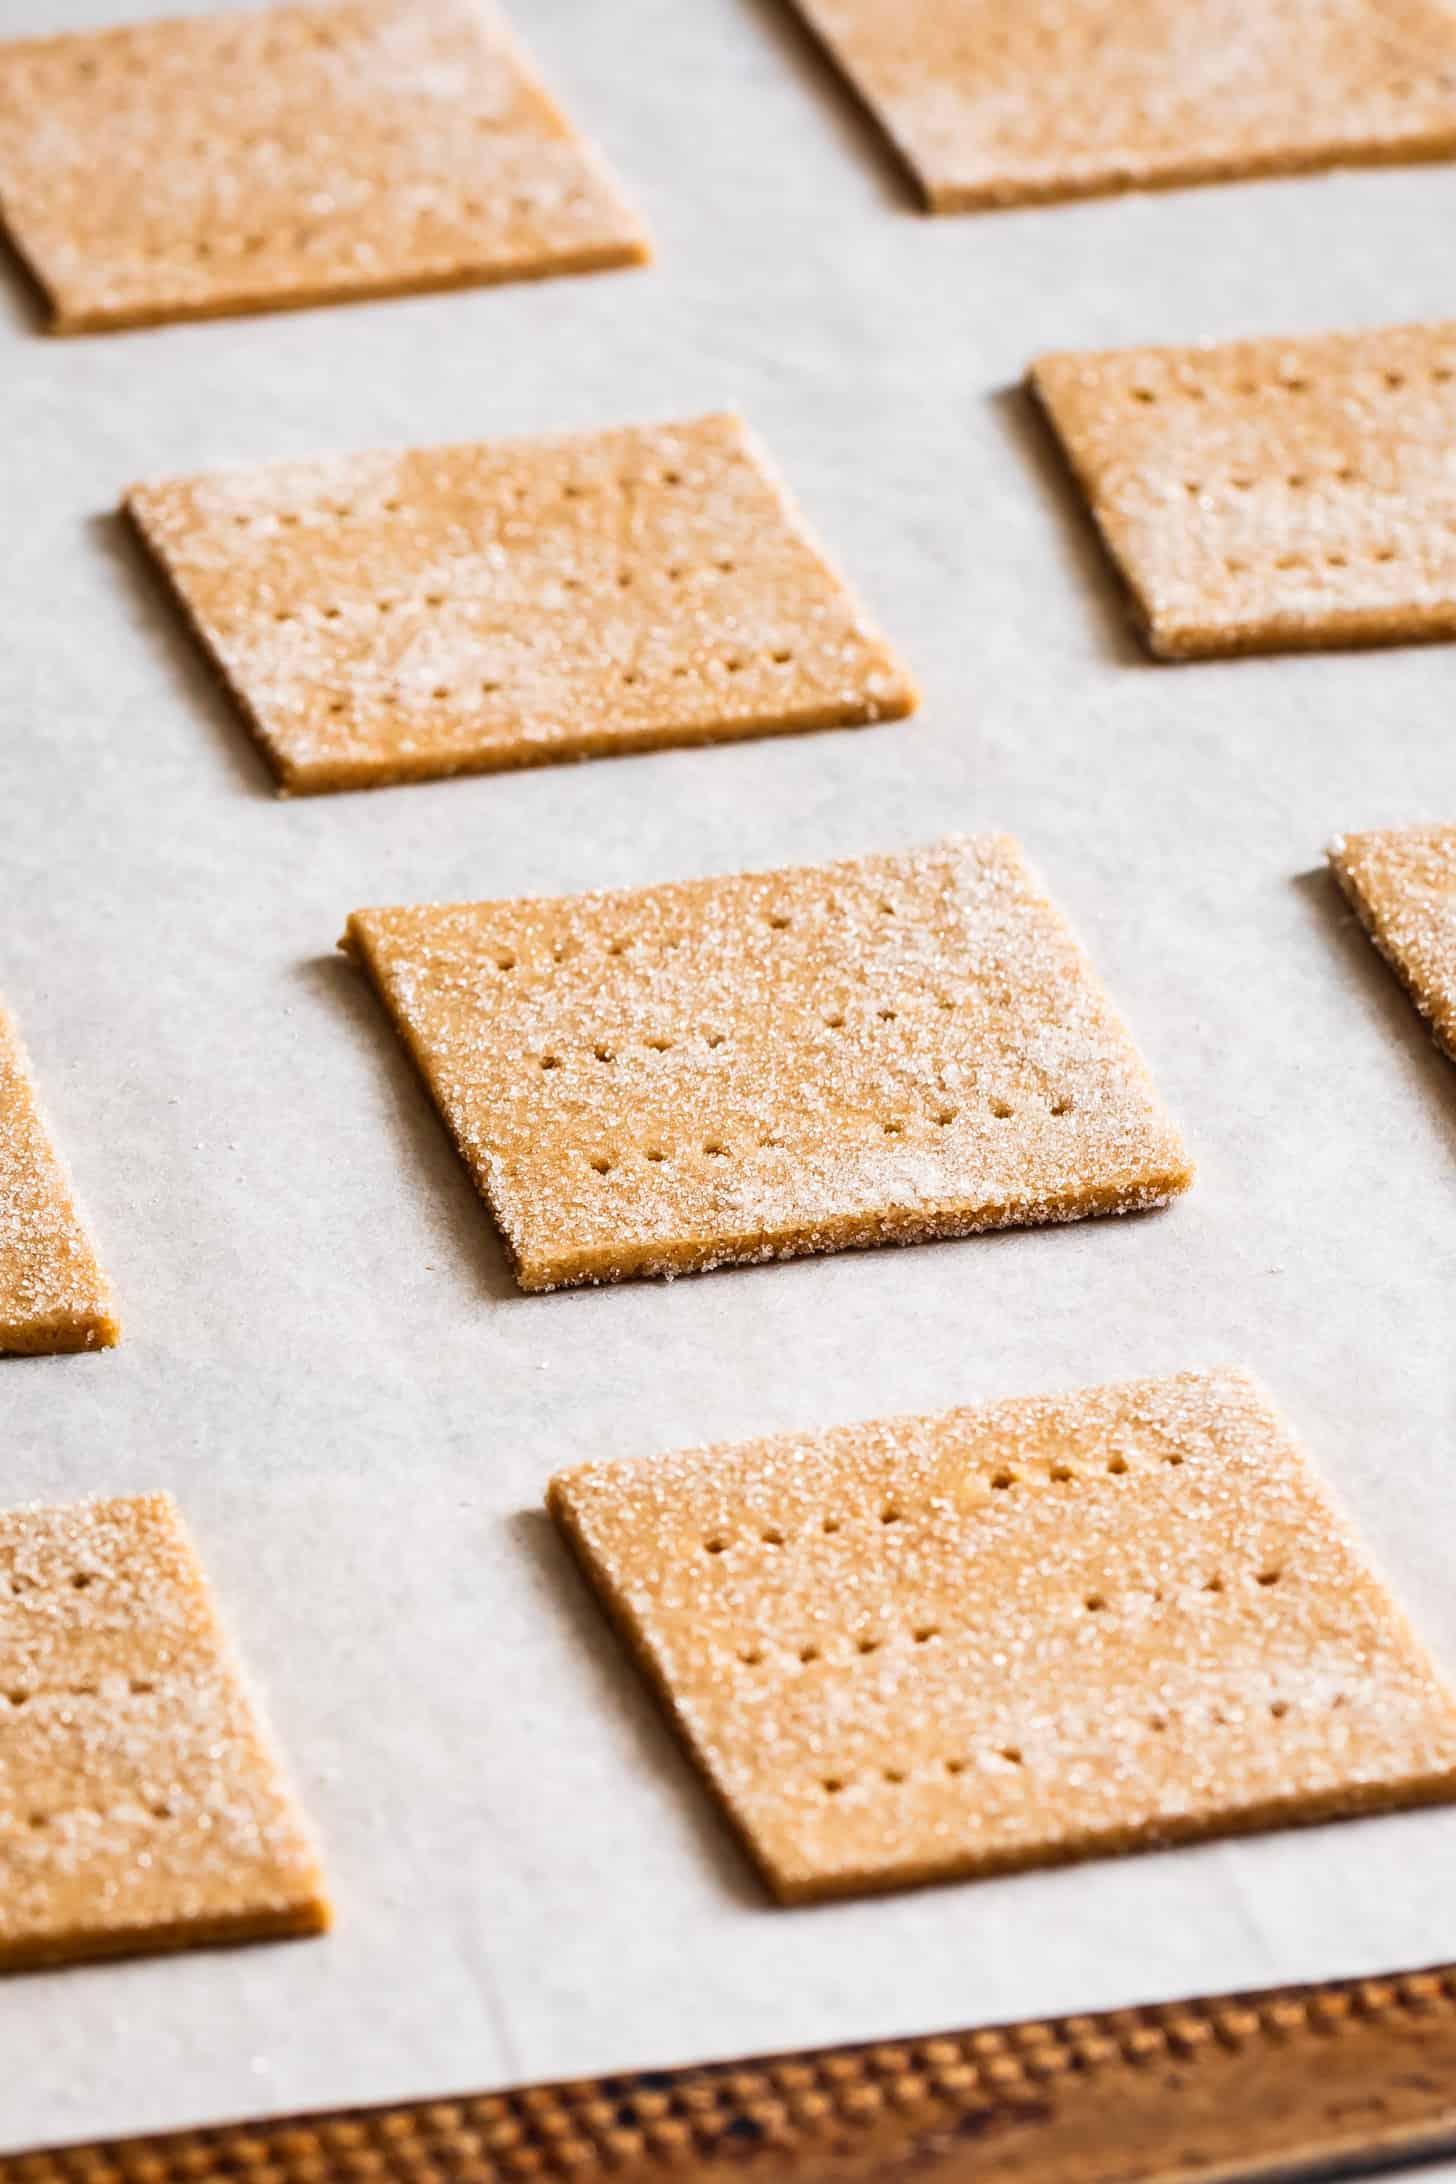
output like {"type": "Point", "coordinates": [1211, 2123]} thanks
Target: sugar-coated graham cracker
{"type": "Point", "coordinates": [141, 1807]}
{"type": "Point", "coordinates": [255, 160]}
{"type": "Point", "coordinates": [389, 617]}
{"type": "Point", "coordinates": [1002, 1637]}
{"type": "Point", "coordinates": [1002, 102]}
{"type": "Point", "coordinates": [1266, 495]}
{"type": "Point", "coordinates": [883, 1050]}
{"type": "Point", "coordinates": [1402, 884]}
{"type": "Point", "coordinates": [53, 1295]}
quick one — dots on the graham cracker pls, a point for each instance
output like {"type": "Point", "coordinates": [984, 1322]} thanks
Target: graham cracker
{"type": "Point", "coordinates": [140, 1805]}
{"type": "Point", "coordinates": [394, 616]}
{"type": "Point", "coordinates": [1004, 102]}
{"type": "Point", "coordinates": [53, 1295]}
{"type": "Point", "coordinates": [1267, 495]}
{"type": "Point", "coordinates": [252, 161]}
{"type": "Point", "coordinates": [883, 1050]}
{"type": "Point", "coordinates": [1010, 1636]}
{"type": "Point", "coordinates": [1402, 883]}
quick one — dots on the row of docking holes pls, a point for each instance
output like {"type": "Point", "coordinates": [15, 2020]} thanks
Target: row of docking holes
{"type": "Point", "coordinates": [894, 1126]}
{"type": "Point", "coordinates": [1009, 1757]}
{"type": "Point", "coordinates": [755, 1653]}
{"type": "Point", "coordinates": [1336, 558]}
{"type": "Point", "coordinates": [145, 1808]}
{"type": "Point", "coordinates": [735, 663]}
{"type": "Point", "coordinates": [287, 241]}
{"type": "Point", "coordinates": [17, 1584]}
{"type": "Point", "coordinates": [20, 1695]}
{"type": "Point", "coordinates": [506, 958]}
{"type": "Point", "coordinates": [1003, 1480]}
{"type": "Point", "coordinates": [1294, 383]}
{"type": "Point", "coordinates": [520, 492]}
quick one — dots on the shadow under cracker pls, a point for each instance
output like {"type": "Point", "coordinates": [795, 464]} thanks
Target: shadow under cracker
{"type": "Point", "coordinates": [817, 67]}
{"type": "Point", "coordinates": [421, 1140]}
{"type": "Point", "coordinates": [26, 298]}
{"type": "Point", "coordinates": [1384, 993]}
{"type": "Point", "coordinates": [618, 1690]}
{"type": "Point", "coordinates": [1082, 550]}
{"type": "Point", "coordinates": [194, 675]}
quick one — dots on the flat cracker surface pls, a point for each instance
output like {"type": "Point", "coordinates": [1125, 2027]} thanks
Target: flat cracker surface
{"type": "Point", "coordinates": [140, 1807]}
{"type": "Point", "coordinates": [1011, 1636]}
{"type": "Point", "coordinates": [394, 616]}
{"type": "Point", "coordinates": [53, 1295]}
{"type": "Point", "coordinates": [1267, 495]}
{"type": "Point", "coordinates": [1402, 883]}
{"type": "Point", "coordinates": [882, 1050]}
{"type": "Point", "coordinates": [252, 160]}
{"type": "Point", "coordinates": [1001, 102]}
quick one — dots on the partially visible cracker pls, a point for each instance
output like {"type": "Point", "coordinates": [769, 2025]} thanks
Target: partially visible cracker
{"type": "Point", "coordinates": [53, 1295]}
{"type": "Point", "coordinates": [883, 1050]}
{"type": "Point", "coordinates": [1006, 1637]}
{"type": "Point", "coordinates": [1273, 494]}
{"type": "Point", "coordinates": [141, 1807]}
{"type": "Point", "coordinates": [390, 617]}
{"type": "Point", "coordinates": [1402, 883]}
{"type": "Point", "coordinates": [256, 160]}
{"type": "Point", "coordinates": [1003, 102]}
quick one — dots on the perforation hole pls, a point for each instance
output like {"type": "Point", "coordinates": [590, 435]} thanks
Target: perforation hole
{"type": "Point", "coordinates": [18, 1698]}
{"type": "Point", "coordinates": [890, 1514]}
{"type": "Point", "coordinates": [772, 1536]}
{"type": "Point", "coordinates": [925, 1633]}
{"type": "Point", "coordinates": [1213, 1584]}
{"type": "Point", "coordinates": [38, 1820]}
{"type": "Point", "coordinates": [1061, 1474]}
{"type": "Point", "coordinates": [141, 1687]}
{"type": "Point", "coordinates": [1383, 553]}
{"type": "Point", "coordinates": [1337, 561]}
{"type": "Point", "coordinates": [1270, 1577]}
{"type": "Point", "coordinates": [808, 1655]}
{"type": "Point", "coordinates": [1394, 380]}
{"type": "Point", "coordinates": [624, 579]}
{"type": "Point", "coordinates": [506, 959]}
{"type": "Point", "coordinates": [894, 1774]}
{"type": "Point", "coordinates": [658, 1044]}
{"type": "Point", "coordinates": [1173, 1458]}
{"type": "Point", "coordinates": [1001, 1480]}
{"type": "Point", "coordinates": [551, 1061]}
{"type": "Point", "coordinates": [955, 1766]}
{"type": "Point", "coordinates": [672, 477]}
{"type": "Point", "coordinates": [835, 1021]}
{"type": "Point", "coordinates": [602, 1053]}
{"type": "Point", "coordinates": [945, 1117]}
{"type": "Point", "coordinates": [630, 675]}
{"type": "Point", "coordinates": [82, 1580]}
{"type": "Point", "coordinates": [1279, 1708]}
{"type": "Point", "coordinates": [714, 1038]}
{"type": "Point", "coordinates": [893, 1128]}
{"type": "Point", "coordinates": [887, 1016]}
{"type": "Point", "coordinates": [715, 1149]}
{"type": "Point", "coordinates": [439, 693]}
{"type": "Point", "coordinates": [781, 658]}
{"type": "Point", "coordinates": [601, 1165]}
{"type": "Point", "coordinates": [1094, 1602]}
{"type": "Point", "coordinates": [716, 1545]}
{"type": "Point", "coordinates": [830, 1524]}
{"type": "Point", "coordinates": [867, 1645]}
{"type": "Point", "coordinates": [1117, 1465]}
{"type": "Point", "coordinates": [1158, 1723]}
{"type": "Point", "coordinates": [779, 920]}
{"type": "Point", "coordinates": [751, 1656]}
{"type": "Point", "coordinates": [1001, 1109]}
{"type": "Point", "coordinates": [833, 1784]}
{"type": "Point", "coordinates": [1143, 394]}
{"type": "Point", "coordinates": [1012, 1755]}
{"type": "Point", "coordinates": [1062, 1104]}
{"type": "Point", "coordinates": [655, 1153]}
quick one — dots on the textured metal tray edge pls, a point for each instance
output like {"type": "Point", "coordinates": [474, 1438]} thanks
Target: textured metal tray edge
{"type": "Point", "coordinates": [1283, 2083]}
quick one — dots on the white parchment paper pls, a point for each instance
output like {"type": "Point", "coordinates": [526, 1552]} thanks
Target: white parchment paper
{"type": "Point", "coordinates": [324, 1357]}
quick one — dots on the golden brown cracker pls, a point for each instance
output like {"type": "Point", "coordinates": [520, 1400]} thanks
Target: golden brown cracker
{"type": "Point", "coordinates": [1002, 102]}
{"type": "Point", "coordinates": [253, 160]}
{"type": "Point", "coordinates": [53, 1295]}
{"type": "Point", "coordinates": [882, 1050]}
{"type": "Point", "coordinates": [140, 1805]}
{"type": "Point", "coordinates": [1272, 494]}
{"type": "Point", "coordinates": [389, 617]}
{"type": "Point", "coordinates": [1402, 883]}
{"type": "Point", "coordinates": [1003, 1637]}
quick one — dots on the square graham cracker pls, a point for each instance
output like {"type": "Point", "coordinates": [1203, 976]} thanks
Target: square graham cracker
{"type": "Point", "coordinates": [396, 616]}
{"type": "Point", "coordinates": [53, 1295]}
{"type": "Point", "coordinates": [140, 1806]}
{"type": "Point", "coordinates": [1047, 1629]}
{"type": "Point", "coordinates": [1401, 882]}
{"type": "Point", "coordinates": [1270, 495]}
{"type": "Point", "coordinates": [1004, 102]}
{"type": "Point", "coordinates": [883, 1050]}
{"type": "Point", "coordinates": [257, 160]}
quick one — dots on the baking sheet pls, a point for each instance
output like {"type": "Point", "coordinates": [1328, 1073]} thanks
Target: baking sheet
{"type": "Point", "coordinates": [324, 1357]}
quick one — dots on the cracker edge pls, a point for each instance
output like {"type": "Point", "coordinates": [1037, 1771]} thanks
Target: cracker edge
{"type": "Point", "coordinates": [1177, 640]}
{"type": "Point", "coordinates": [802, 1884]}
{"type": "Point", "coordinates": [588, 1269]}
{"type": "Point", "coordinates": [62, 1333]}
{"type": "Point", "coordinates": [633, 250]}
{"type": "Point", "coordinates": [310, 1914]}
{"type": "Point", "coordinates": [1365, 910]}
{"type": "Point", "coordinates": [330, 776]}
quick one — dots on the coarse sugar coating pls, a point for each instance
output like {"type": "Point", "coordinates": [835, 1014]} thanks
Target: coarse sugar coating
{"type": "Point", "coordinates": [882, 1050]}
{"type": "Point", "coordinates": [1402, 884]}
{"type": "Point", "coordinates": [1013, 1635]}
{"type": "Point", "coordinates": [258, 159]}
{"type": "Point", "coordinates": [394, 616]}
{"type": "Point", "coordinates": [53, 1295]}
{"type": "Point", "coordinates": [1003, 102]}
{"type": "Point", "coordinates": [140, 1805]}
{"type": "Point", "coordinates": [1272, 494]}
